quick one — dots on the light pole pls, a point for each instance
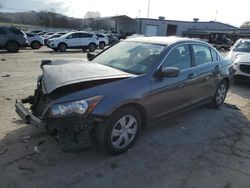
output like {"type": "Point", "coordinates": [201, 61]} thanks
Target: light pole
{"type": "Point", "coordinates": [148, 7]}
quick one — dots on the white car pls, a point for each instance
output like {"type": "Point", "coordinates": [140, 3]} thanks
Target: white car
{"type": "Point", "coordinates": [74, 40]}
{"type": "Point", "coordinates": [103, 40]}
{"type": "Point", "coordinates": [240, 55]}
{"type": "Point", "coordinates": [35, 41]}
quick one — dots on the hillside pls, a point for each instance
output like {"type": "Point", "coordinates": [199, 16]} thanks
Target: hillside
{"type": "Point", "coordinates": [43, 19]}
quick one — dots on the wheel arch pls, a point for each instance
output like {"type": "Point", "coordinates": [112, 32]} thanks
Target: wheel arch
{"type": "Point", "coordinates": [12, 41]}
{"type": "Point", "coordinates": [62, 43]}
{"type": "Point", "coordinates": [35, 41]}
{"type": "Point", "coordinates": [139, 108]}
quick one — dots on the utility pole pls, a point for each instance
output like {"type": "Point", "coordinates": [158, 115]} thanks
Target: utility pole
{"type": "Point", "coordinates": [216, 14]}
{"type": "Point", "coordinates": [148, 8]}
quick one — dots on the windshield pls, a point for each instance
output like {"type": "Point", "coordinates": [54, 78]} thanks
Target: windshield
{"type": "Point", "coordinates": [243, 47]}
{"type": "Point", "coordinates": [131, 57]}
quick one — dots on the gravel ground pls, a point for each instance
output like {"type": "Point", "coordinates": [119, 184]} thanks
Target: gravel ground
{"type": "Point", "coordinates": [202, 148]}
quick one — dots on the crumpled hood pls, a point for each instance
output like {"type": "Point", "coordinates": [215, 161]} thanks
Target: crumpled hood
{"type": "Point", "coordinates": [244, 58]}
{"type": "Point", "coordinates": [236, 56]}
{"type": "Point", "coordinates": [60, 73]}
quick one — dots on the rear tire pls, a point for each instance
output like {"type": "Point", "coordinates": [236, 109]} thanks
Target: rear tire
{"type": "Point", "coordinates": [62, 47]}
{"type": "Point", "coordinates": [35, 45]}
{"type": "Point", "coordinates": [120, 131]}
{"type": "Point", "coordinates": [92, 47]}
{"type": "Point", "coordinates": [220, 94]}
{"type": "Point", "coordinates": [101, 45]}
{"type": "Point", "coordinates": [12, 47]}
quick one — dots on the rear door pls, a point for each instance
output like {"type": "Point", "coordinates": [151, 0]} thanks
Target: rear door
{"type": "Point", "coordinates": [86, 39]}
{"type": "Point", "coordinates": [3, 37]}
{"type": "Point", "coordinates": [206, 68]}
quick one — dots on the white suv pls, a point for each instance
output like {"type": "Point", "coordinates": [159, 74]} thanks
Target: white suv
{"type": "Point", "coordinates": [103, 40]}
{"type": "Point", "coordinates": [74, 40]}
{"type": "Point", "coordinates": [240, 55]}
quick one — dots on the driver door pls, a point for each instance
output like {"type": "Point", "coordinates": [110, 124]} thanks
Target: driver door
{"type": "Point", "coordinates": [170, 94]}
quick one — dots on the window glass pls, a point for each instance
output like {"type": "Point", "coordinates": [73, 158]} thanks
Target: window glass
{"type": "Point", "coordinates": [73, 36]}
{"type": "Point", "coordinates": [202, 54]}
{"type": "Point", "coordinates": [179, 57]}
{"type": "Point", "coordinates": [214, 55]}
{"type": "Point", "coordinates": [16, 31]}
{"type": "Point", "coordinates": [100, 36]}
{"type": "Point", "coordinates": [243, 46]}
{"type": "Point", "coordinates": [2, 32]}
{"type": "Point", "coordinates": [29, 35]}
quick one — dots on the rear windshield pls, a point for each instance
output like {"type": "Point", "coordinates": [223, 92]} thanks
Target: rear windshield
{"type": "Point", "coordinates": [243, 47]}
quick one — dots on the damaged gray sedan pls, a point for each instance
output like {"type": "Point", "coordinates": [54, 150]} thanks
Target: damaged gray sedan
{"type": "Point", "coordinates": [139, 81]}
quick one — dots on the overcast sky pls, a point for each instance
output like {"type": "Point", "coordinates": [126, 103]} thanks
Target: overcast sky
{"type": "Point", "coordinates": [231, 12]}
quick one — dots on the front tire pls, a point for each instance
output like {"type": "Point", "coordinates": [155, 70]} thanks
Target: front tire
{"type": "Point", "coordinates": [101, 45]}
{"type": "Point", "coordinates": [62, 47]}
{"type": "Point", "coordinates": [92, 47]}
{"type": "Point", "coordinates": [35, 45]}
{"type": "Point", "coordinates": [120, 131]}
{"type": "Point", "coordinates": [220, 94]}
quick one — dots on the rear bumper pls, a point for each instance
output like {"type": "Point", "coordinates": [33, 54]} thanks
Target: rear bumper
{"type": "Point", "coordinates": [27, 116]}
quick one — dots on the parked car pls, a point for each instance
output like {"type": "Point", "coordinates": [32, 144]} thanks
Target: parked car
{"type": "Point", "coordinates": [102, 40]}
{"type": "Point", "coordinates": [48, 34]}
{"type": "Point", "coordinates": [35, 41]}
{"type": "Point", "coordinates": [12, 39]}
{"type": "Point", "coordinates": [112, 39]}
{"type": "Point", "coordinates": [36, 31]}
{"type": "Point", "coordinates": [132, 84]}
{"type": "Point", "coordinates": [240, 55]}
{"type": "Point", "coordinates": [74, 40]}
{"type": "Point", "coordinates": [51, 37]}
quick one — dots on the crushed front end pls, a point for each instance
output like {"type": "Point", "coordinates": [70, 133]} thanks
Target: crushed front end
{"type": "Point", "coordinates": [72, 130]}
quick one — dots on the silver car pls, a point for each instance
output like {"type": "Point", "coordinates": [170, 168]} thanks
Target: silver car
{"type": "Point", "coordinates": [132, 84]}
{"type": "Point", "coordinates": [240, 55]}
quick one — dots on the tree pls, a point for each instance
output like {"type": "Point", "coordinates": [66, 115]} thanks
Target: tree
{"type": "Point", "coordinates": [245, 25]}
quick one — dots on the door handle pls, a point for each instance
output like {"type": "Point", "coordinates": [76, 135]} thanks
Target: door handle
{"type": "Point", "coordinates": [191, 76]}
{"type": "Point", "coordinates": [208, 77]}
{"type": "Point", "coordinates": [217, 67]}
{"type": "Point", "coordinates": [181, 85]}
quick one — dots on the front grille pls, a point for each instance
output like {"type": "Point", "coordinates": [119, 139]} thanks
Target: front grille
{"type": "Point", "coordinates": [245, 68]}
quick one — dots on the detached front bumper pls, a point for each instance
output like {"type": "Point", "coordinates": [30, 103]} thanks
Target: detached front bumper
{"type": "Point", "coordinates": [27, 116]}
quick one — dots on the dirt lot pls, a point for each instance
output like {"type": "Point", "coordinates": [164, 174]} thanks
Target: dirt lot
{"type": "Point", "coordinates": [200, 148]}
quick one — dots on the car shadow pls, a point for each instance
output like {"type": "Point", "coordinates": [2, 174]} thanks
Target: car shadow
{"type": "Point", "coordinates": [241, 88]}
{"type": "Point", "coordinates": [196, 139]}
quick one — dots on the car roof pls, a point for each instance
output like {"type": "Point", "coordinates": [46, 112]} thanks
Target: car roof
{"type": "Point", "coordinates": [163, 40]}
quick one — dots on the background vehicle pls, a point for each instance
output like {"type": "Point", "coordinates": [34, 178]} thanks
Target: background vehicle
{"type": "Point", "coordinates": [112, 39]}
{"type": "Point", "coordinates": [136, 82]}
{"type": "Point", "coordinates": [56, 35]}
{"type": "Point", "coordinates": [103, 40]}
{"type": "Point", "coordinates": [240, 55]}
{"type": "Point", "coordinates": [35, 41]}
{"type": "Point", "coordinates": [74, 40]}
{"type": "Point", "coordinates": [35, 31]}
{"type": "Point", "coordinates": [12, 39]}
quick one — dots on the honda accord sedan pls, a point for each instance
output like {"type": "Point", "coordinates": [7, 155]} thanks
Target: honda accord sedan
{"type": "Point", "coordinates": [109, 98]}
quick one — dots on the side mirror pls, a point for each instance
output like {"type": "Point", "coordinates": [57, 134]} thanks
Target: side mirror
{"type": "Point", "coordinates": [90, 56]}
{"type": "Point", "coordinates": [170, 72]}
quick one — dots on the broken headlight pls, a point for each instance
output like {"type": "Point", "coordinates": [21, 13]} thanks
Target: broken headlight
{"type": "Point", "coordinates": [79, 107]}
